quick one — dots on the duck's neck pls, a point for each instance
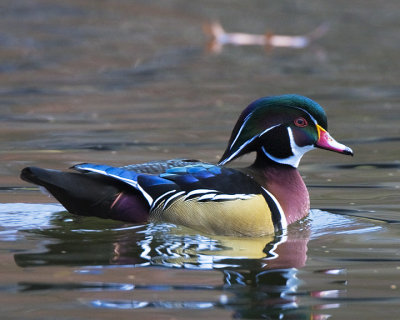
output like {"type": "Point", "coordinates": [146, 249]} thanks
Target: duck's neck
{"type": "Point", "coordinates": [285, 183]}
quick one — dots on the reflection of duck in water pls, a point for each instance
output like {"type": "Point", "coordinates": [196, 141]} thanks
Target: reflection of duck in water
{"type": "Point", "coordinates": [214, 199]}
{"type": "Point", "coordinates": [161, 245]}
{"type": "Point", "coordinates": [259, 275]}
{"type": "Point", "coordinates": [181, 247]}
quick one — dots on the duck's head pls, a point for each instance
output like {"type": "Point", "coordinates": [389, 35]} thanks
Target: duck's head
{"type": "Point", "coordinates": [282, 128]}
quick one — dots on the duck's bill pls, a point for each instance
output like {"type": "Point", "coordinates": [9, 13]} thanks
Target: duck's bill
{"type": "Point", "coordinates": [325, 141]}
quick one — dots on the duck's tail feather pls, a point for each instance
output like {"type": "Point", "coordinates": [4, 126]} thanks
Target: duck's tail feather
{"type": "Point", "coordinates": [88, 194]}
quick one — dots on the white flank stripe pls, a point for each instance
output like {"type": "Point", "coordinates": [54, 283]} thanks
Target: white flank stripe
{"type": "Point", "coordinates": [199, 191]}
{"type": "Point", "coordinates": [207, 196]}
{"type": "Point", "coordinates": [215, 196]}
{"type": "Point", "coordinates": [232, 196]}
{"type": "Point", "coordinates": [160, 197]}
{"type": "Point", "coordinates": [172, 198]}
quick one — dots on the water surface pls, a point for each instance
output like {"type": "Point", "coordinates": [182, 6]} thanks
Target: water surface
{"type": "Point", "coordinates": [123, 82]}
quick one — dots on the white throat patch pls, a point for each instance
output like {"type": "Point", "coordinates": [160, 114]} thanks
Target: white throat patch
{"type": "Point", "coordinates": [297, 151]}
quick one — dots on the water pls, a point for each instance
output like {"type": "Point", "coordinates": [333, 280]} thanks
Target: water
{"type": "Point", "coordinates": [123, 82]}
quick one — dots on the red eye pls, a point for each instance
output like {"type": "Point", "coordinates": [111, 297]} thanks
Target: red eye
{"type": "Point", "coordinates": [301, 122]}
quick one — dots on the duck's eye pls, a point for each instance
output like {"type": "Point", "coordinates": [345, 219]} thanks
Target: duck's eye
{"type": "Point", "coordinates": [300, 122]}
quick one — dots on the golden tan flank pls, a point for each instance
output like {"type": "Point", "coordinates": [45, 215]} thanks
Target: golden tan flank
{"type": "Point", "coordinates": [240, 217]}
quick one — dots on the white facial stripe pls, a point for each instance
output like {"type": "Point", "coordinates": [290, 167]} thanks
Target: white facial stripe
{"type": "Point", "coordinates": [312, 118]}
{"type": "Point", "coordinates": [237, 151]}
{"type": "Point", "coordinates": [297, 152]}
{"type": "Point", "coordinates": [268, 129]}
{"type": "Point", "coordinates": [240, 130]}
{"type": "Point", "coordinates": [246, 143]}
{"type": "Point", "coordinates": [250, 114]}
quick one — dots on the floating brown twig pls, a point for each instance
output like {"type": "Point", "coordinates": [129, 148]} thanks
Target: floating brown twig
{"type": "Point", "coordinates": [219, 38]}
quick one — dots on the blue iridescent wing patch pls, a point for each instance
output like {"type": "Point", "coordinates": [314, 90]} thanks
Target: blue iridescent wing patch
{"type": "Point", "coordinates": [203, 181]}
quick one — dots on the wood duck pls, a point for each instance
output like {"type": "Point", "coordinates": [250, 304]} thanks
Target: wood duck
{"type": "Point", "coordinates": [212, 198]}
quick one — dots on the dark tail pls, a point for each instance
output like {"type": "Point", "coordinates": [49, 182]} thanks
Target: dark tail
{"type": "Point", "coordinates": [82, 194]}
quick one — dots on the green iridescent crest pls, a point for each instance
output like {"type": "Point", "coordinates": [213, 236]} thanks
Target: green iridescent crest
{"type": "Point", "coordinates": [266, 114]}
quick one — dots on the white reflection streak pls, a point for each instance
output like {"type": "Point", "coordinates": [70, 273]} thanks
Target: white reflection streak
{"type": "Point", "coordinates": [123, 304]}
{"type": "Point", "coordinates": [145, 245]}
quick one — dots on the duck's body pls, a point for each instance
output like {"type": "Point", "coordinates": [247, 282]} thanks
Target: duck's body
{"type": "Point", "coordinates": [251, 201]}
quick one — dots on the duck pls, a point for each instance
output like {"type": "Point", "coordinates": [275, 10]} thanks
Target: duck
{"type": "Point", "coordinates": [257, 200]}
